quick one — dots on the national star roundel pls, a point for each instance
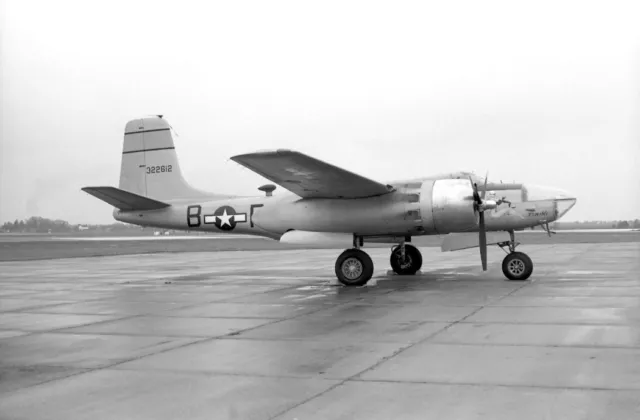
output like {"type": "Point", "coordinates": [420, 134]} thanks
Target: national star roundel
{"type": "Point", "coordinates": [225, 218]}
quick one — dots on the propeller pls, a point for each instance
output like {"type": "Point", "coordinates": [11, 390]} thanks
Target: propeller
{"type": "Point", "coordinates": [479, 206]}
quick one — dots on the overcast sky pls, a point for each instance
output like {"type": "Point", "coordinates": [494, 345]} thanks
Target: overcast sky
{"type": "Point", "coordinates": [544, 92]}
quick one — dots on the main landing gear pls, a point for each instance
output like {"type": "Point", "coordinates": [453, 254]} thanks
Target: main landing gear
{"type": "Point", "coordinates": [354, 267]}
{"type": "Point", "coordinates": [516, 265]}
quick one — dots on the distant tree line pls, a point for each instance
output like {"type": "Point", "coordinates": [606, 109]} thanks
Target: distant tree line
{"type": "Point", "coordinates": [44, 225]}
{"type": "Point", "coordinates": [599, 224]}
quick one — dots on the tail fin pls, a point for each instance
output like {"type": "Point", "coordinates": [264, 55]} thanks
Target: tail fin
{"type": "Point", "coordinates": [150, 165]}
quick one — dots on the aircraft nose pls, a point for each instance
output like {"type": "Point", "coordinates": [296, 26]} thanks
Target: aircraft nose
{"type": "Point", "coordinates": [563, 200]}
{"type": "Point", "coordinates": [563, 205]}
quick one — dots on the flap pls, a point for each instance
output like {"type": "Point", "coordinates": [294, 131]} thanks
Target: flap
{"type": "Point", "coordinates": [309, 177]}
{"type": "Point", "coordinates": [124, 200]}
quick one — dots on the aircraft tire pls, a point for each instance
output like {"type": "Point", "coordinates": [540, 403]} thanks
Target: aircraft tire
{"type": "Point", "coordinates": [517, 266]}
{"type": "Point", "coordinates": [354, 267]}
{"type": "Point", "coordinates": [413, 263]}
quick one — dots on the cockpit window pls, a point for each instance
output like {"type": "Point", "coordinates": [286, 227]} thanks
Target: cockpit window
{"type": "Point", "coordinates": [538, 193]}
{"type": "Point", "coordinates": [511, 195]}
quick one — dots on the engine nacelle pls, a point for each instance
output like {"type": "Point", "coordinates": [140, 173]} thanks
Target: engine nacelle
{"type": "Point", "coordinates": [452, 206]}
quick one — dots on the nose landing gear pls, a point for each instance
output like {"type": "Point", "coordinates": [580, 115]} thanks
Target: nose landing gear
{"type": "Point", "coordinates": [516, 265]}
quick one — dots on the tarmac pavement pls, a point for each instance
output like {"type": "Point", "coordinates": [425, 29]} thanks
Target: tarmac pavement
{"type": "Point", "coordinates": [268, 334]}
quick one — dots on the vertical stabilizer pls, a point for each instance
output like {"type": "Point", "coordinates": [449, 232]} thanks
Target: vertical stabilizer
{"type": "Point", "coordinates": [150, 165]}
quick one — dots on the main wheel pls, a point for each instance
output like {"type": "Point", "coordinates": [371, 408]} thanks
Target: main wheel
{"type": "Point", "coordinates": [517, 266]}
{"type": "Point", "coordinates": [412, 260]}
{"type": "Point", "coordinates": [354, 267]}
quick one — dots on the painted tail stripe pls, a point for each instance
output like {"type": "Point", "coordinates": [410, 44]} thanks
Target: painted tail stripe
{"type": "Point", "coordinates": [148, 150]}
{"type": "Point", "coordinates": [147, 131]}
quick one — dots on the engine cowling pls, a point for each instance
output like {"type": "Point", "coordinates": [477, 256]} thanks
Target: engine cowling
{"type": "Point", "coordinates": [452, 206]}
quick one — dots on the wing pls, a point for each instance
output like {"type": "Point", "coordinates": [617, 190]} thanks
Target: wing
{"type": "Point", "coordinates": [309, 177]}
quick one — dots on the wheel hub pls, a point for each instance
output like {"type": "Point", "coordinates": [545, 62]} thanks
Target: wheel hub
{"type": "Point", "coordinates": [516, 267]}
{"type": "Point", "coordinates": [352, 268]}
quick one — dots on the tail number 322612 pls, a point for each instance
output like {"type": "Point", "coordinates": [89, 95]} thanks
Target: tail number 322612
{"type": "Point", "coordinates": [158, 169]}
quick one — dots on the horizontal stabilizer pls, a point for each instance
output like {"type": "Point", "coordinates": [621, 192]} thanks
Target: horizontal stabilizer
{"type": "Point", "coordinates": [124, 200]}
{"type": "Point", "coordinates": [458, 241]}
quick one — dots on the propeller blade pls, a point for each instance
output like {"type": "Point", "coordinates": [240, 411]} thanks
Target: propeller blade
{"type": "Point", "coordinates": [483, 243]}
{"type": "Point", "coordinates": [476, 196]}
{"type": "Point", "coordinates": [484, 190]}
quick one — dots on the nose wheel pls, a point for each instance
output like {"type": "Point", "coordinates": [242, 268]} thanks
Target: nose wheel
{"type": "Point", "coordinates": [405, 259]}
{"type": "Point", "coordinates": [516, 265]}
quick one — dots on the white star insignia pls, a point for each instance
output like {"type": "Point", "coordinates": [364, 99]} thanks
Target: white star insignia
{"type": "Point", "coordinates": [224, 218]}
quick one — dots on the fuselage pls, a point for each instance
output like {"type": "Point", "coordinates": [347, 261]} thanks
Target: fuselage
{"type": "Point", "coordinates": [428, 206]}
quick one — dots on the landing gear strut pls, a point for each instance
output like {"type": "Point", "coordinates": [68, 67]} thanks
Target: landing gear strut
{"type": "Point", "coordinates": [516, 265]}
{"type": "Point", "coordinates": [354, 267]}
{"type": "Point", "coordinates": [405, 259]}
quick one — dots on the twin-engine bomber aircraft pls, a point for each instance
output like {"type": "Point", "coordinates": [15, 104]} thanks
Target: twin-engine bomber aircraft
{"type": "Point", "coordinates": [329, 203]}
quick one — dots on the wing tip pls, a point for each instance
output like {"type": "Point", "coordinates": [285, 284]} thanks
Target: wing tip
{"type": "Point", "coordinates": [266, 152]}
{"type": "Point", "coordinates": [94, 188]}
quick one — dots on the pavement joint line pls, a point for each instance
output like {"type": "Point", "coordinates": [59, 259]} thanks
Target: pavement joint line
{"type": "Point", "coordinates": [61, 329]}
{"type": "Point", "coordinates": [592, 324]}
{"type": "Point", "coordinates": [387, 358]}
{"type": "Point", "coordinates": [31, 291]}
{"type": "Point", "coordinates": [562, 307]}
{"type": "Point", "coordinates": [31, 308]}
{"type": "Point", "coordinates": [67, 302]}
{"type": "Point", "coordinates": [577, 286]}
{"type": "Point", "coordinates": [119, 334]}
{"type": "Point", "coordinates": [26, 333]}
{"type": "Point", "coordinates": [555, 346]}
{"type": "Point", "coordinates": [314, 340]}
{"type": "Point", "coordinates": [224, 373]}
{"type": "Point", "coordinates": [80, 371]}
{"type": "Point", "coordinates": [43, 312]}
{"type": "Point", "coordinates": [498, 385]}
{"type": "Point", "coordinates": [160, 314]}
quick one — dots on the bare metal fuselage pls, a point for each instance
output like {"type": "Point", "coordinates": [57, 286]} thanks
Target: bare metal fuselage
{"type": "Point", "coordinates": [425, 207]}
